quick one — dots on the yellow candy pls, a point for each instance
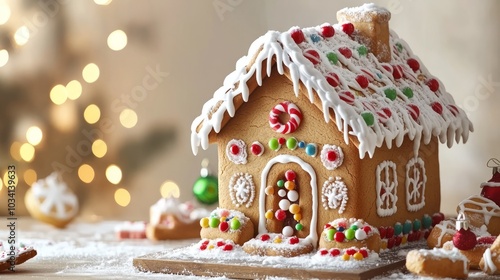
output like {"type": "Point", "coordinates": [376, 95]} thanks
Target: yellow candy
{"type": "Point", "coordinates": [204, 222]}
{"type": "Point", "coordinates": [222, 219]}
{"type": "Point", "coordinates": [297, 217]}
{"type": "Point", "coordinates": [269, 214]}
{"type": "Point", "coordinates": [346, 257]}
{"type": "Point", "coordinates": [277, 240]}
{"type": "Point", "coordinates": [210, 247]}
{"type": "Point", "coordinates": [289, 185]}
{"type": "Point", "coordinates": [270, 190]}
{"type": "Point", "coordinates": [404, 239]}
{"type": "Point", "coordinates": [383, 244]}
{"type": "Point", "coordinates": [294, 208]}
{"type": "Point", "coordinates": [358, 256]}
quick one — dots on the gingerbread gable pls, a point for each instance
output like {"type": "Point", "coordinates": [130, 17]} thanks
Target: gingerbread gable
{"type": "Point", "coordinates": [374, 101]}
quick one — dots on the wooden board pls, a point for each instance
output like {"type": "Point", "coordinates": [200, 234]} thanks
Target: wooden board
{"type": "Point", "coordinates": [237, 269]}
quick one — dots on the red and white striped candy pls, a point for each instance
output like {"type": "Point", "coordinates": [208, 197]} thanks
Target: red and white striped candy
{"type": "Point", "coordinates": [347, 97]}
{"type": "Point", "coordinates": [453, 109]}
{"type": "Point", "coordinates": [294, 121]}
{"type": "Point", "coordinates": [368, 74]}
{"type": "Point", "coordinates": [332, 79]}
{"type": "Point", "coordinates": [313, 56]}
{"type": "Point", "coordinates": [414, 111]}
{"type": "Point", "coordinates": [384, 114]}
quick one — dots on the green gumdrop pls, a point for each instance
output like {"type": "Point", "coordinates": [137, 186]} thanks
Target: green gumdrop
{"type": "Point", "coordinates": [426, 221]}
{"type": "Point", "coordinates": [407, 227]}
{"type": "Point", "coordinates": [398, 228]}
{"type": "Point", "coordinates": [330, 233]}
{"type": "Point", "coordinates": [281, 183]}
{"type": "Point", "coordinates": [214, 222]}
{"type": "Point", "coordinates": [368, 117]}
{"type": "Point", "coordinates": [362, 50]}
{"type": "Point", "coordinates": [416, 225]}
{"type": "Point", "coordinates": [274, 144]}
{"type": "Point", "coordinates": [408, 92]}
{"type": "Point", "coordinates": [291, 143]}
{"type": "Point", "coordinates": [332, 57]}
{"type": "Point", "coordinates": [399, 46]}
{"type": "Point", "coordinates": [390, 93]}
{"type": "Point", "coordinates": [349, 234]}
{"type": "Point", "coordinates": [235, 224]}
{"type": "Point", "coordinates": [299, 227]}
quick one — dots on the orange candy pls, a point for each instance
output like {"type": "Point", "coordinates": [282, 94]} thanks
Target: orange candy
{"type": "Point", "coordinates": [289, 185]}
{"type": "Point", "coordinates": [269, 190]}
{"type": "Point", "coordinates": [297, 217]}
{"type": "Point", "coordinates": [294, 208]}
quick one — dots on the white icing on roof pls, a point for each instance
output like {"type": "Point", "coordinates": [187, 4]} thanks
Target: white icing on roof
{"type": "Point", "coordinates": [450, 125]}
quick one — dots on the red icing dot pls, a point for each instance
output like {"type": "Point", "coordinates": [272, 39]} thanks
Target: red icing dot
{"type": "Point", "coordinates": [224, 226]}
{"type": "Point", "coordinates": [347, 97]}
{"type": "Point", "coordinates": [290, 175]}
{"type": "Point", "coordinates": [413, 63]}
{"type": "Point", "coordinates": [265, 237]}
{"type": "Point", "coordinates": [433, 85]}
{"type": "Point", "coordinates": [350, 251]}
{"type": "Point", "coordinates": [228, 247]}
{"type": "Point", "coordinates": [327, 31]}
{"type": "Point", "coordinates": [364, 253]}
{"type": "Point", "coordinates": [297, 36]}
{"type": "Point", "coordinates": [331, 155]}
{"type": "Point", "coordinates": [332, 79]}
{"type": "Point", "coordinates": [339, 236]}
{"type": "Point", "coordinates": [327, 226]}
{"type": "Point", "coordinates": [206, 242]}
{"type": "Point", "coordinates": [313, 56]}
{"type": "Point", "coordinates": [453, 109]}
{"type": "Point", "coordinates": [280, 215]}
{"type": "Point", "coordinates": [397, 72]}
{"type": "Point", "coordinates": [362, 81]}
{"type": "Point", "coordinates": [282, 141]}
{"type": "Point", "coordinates": [256, 149]}
{"type": "Point", "coordinates": [323, 252]}
{"type": "Point", "coordinates": [235, 149]}
{"type": "Point", "coordinates": [334, 252]}
{"type": "Point", "coordinates": [437, 107]}
{"type": "Point", "coordinates": [293, 240]}
{"type": "Point", "coordinates": [220, 243]}
{"type": "Point", "coordinates": [203, 247]}
{"type": "Point", "coordinates": [348, 28]}
{"type": "Point", "coordinates": [414, 111]}
{"type": "Point", "coordinates": [367, 229]}
{"type": "Point", "coordinates": [346, 52]}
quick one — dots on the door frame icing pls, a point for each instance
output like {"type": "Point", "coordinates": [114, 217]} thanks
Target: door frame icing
{"type": "Point", "coordinates": [313, 235]}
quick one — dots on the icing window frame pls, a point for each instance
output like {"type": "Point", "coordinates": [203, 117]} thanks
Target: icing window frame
{"type": "Point", "coordinates": [417, 180]}
{"type": "Point", "coordinates": [386, 189]}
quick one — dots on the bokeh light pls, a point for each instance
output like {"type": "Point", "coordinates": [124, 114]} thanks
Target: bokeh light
{"type": "Point", "coordinates": [15, 148]}
{"type": "Point", "coordinates": [114, 174]}
{"type": "Point", "coordinates": [22, 35]}
{"type": "Point", "coordinates": [128, 118]}
{"type": "Point", "coordinates": [34, 135]}
{"type": "Point", "coordinates": [90, 73]}
{"type": "Point", "coordinates": [58, 94]}
{"type": "Point", "coordinates": [99, 148]}
{"type": "Point", "coordinates": [6, 179]}
{"type": "Point", "coordinates": [86, 173]}
{"type": "Point", "coordinates": [4, 57]}
{"type": "Point", "coordinates": [64, 117]}
{"type": "Point", "coordinates": [117, 40]}
{"type": "Point", "coordinates": [27, 152]}
{"type": "Point", "coordinates": [170, 189]}
{"type": "Point", "coordinates": [30, 176]}
{"type": "Point", "coordinates": [74, 89]}
{"type": "Point", "coordinates": [92, 114]}
{"type": "Point", "coordinates": [122, 197]}
{"type": "Point", "coordinates": [4, 12]}
{"type": "Point", "coordinates": [103, 2]}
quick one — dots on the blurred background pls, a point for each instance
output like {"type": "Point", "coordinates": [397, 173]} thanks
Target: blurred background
{"type": "Point", "coordinates": [104, 91]}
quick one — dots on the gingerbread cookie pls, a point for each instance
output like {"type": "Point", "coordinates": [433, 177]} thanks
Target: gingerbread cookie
{"type": "Point", "coordinates": [441, 233]}
{"type": "Point", "coordinates": [131, 230]}
{"type": "Point", "coordinates": [275, 244]}
{"type": "Point", "coordinates": [475, 254]}
{"type": "Point", "coordinates": [10, 259]}
{"type": "Point", "coordinates": [438, 262]}
{"type": "Point", "coordinates": [490, 263]}
{"type": "Point", "coordinates": [481, 211]}
{"type": "Point", "coordinates": [51, 201]}
{"type": "Point", "coordinates": [227, 224]}
{"type": "Point", "coordinates": [345, 233]}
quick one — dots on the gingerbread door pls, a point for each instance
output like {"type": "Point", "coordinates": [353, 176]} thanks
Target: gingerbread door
{"type": "Point", "coordinates": [288, 201]}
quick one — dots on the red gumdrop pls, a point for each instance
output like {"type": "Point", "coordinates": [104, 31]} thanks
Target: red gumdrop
{"type": "Point", "coordinates": [334, 252]}
{"type": "Point", "coordinates": [350, 251]}
{"type": "Point", "coordinates": [437, 218]}
{"type": "Point", "coordinates": [280, 215]}
{"type": "Point", "coordinates": [348, 28]}
{"type": "Point", "coordinates": [331, 155]}
{"type": "Point", "coordinates": [323, 252]}
{"type": "Point", "coordinates": [413, 63]}
{"type": "Point", "coordinates": [391, 242]}
{"type": "Point", "coordinates": [364, 253]}
{"type": "Point", "coordinates": [382, 231]}
{"type": "Point", "coordinates": [332, 79]}
{"type": "Point", "coordinates": [339, 236]}
{"type": "Point", "coordinates": [313, 56]}
{"type": "Point", "coordinates": [346, 52]}
{"type": "Point", "coordinates": [362, 81]}
{"type": "Point", "coordinates": [220, 243]}
{"type": "Point", "coordinates": [224, 226]}
{"type": "Point", "coordinates": [464, 239]}
{"type": "Point", "coordinates": [297, 36]}
{"type": "Point", "coordinates": [397, 72]}
{"type": "Point", "coordinates": [327, 31]}
{"type": "Point", "coordinates": [433, 85]}
{"type": "Point", "coordinates": [290, 175]}
{"type": "Point", "coordinates": [390, 232]}
{"type": "Point", "coordinates": [265, 237]}
{"type": "Point", "coordinates": [227, 247]}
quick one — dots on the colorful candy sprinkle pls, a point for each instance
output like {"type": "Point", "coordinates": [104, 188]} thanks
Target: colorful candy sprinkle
{"type": "Point", "coordinates": [358, 256]}
{"type": "Point", "coordinates": [360, 234]}
{"type": "Point", "coordinates": [369, 118]}
{"type": "Point", "coordinates": [417, 225]}
{"type": "Point", "coordinates": [408, 92]}
{"type": "Point", "coordinates": [327, 31]}
{"type": "Point", "coordinates": [269, 190]}
{"type": "Point", "coordinates": [408, 225]}
{"type": "Point", "coordinates": [332, 79]}
{"type": "Point", "coordinates": [348, 28]}
{"type": "Point", "coordinates": [437, 107]}
{"type": "Point", "coordinates": [297, 217]}
{"type": "Point", "coordinates": [292, 195]}
{"type": "Point", "coordinates": [349, 234]}
{"type": "Point", "coordinates": [290, 175]}
{"type": "Point", "coordinates": [291, 143]}
{"type": "Point", "coordinates": [362, 81]}
{"type": "Point", "coordinates": [280, 183]}
{"type": "Point", "coordinates": [433, 85]}
{"type": "Point", "coordinates": [397, 72]}
{"type": "Point", "coordinates": [204, 222]}
{"type": "Point", "coordinates": [362, 50]}
{"type": "Point", "coordinates": [332, 57]}
{"type": "Point", "coordinates": [334, 252]}
{"type": "Point", "coordinates": [346, 52]}
{"type": "Point", "coordinates": [287, 231]}
{"type": "Point", "coordinates": [398, 228]}
{"type": "Point", "coordinates": [414, 111]}
{"type": "Point", "coordinates": [214, 222]}
{"type": "Point", "coordinates": [426, 221]}
{"type": "Point", "coordinates": [235, 224]}
{"type": "Point", "coordinates": [312, 56]}
{"type": "Point", "coordinates": [311, 149]}
{"type": "Point", "coordinates": [224, 226]}
{"type": "Point", "coordinates": [282, 193]}
{"type": "Point", "coordinates": [257, 149]}
{"type": "Point", "coordinates": [331, 156]}
{"type": "Point", "coordinates": [274, 144]}
{"type": "Point", "coordinates": [294, 208]}
{"type": "Point", "coordinates": [281, 141]}
{"type": "Point", "coordinates": [339, 236]}
{"type": "Point", "coordinates": [293, 240]}
{"type": "Point", "coordinates": [284, 204]}
{"type": "Point", "coordinates": [390, 93]}
{"type": "Point", "coordinates": [297, 36]}
{"type": "Point", "coordinates": [399, 46]}
{"type": "Point", "coordinates": [299, 227]}
{"type": "Point", "coordinates": [315, 38]}
{"type": "Point", "coordinates": [289, 185]}
{"type": "Point", "coordinates": [265, 237]}
{"type": "Point", "coordinates": [302, 144]}
{"type": "Point", "coordinates": [280, 215]}
{"type": "Point", "coordinates": [413, 63]}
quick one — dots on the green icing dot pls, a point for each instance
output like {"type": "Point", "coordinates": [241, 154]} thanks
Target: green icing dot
{"type": "Point", "coordinates": [291, 143]}
{"type": "Point", "coordinates": [299, 227]}
{"type": "Point", "coordinates": [368, 117]}
{"type": "Point", "coordinates": [408, 92]}
{"type": "Point", "coordinates": [274, 144]}
{"type": "Point", "coordinates": [349, 234]}
{"type": "Point", "coordinates": [390, 93]}
{"type": "Point", "coordinates": [281, 183]}
{"type": "Point", "coordinates": [332, 57]}
{"type": "Point", "coordinates": [362, 50]}
{"type": "Point", "coordinates": [214, 222]}
{"type": "Point", "coordinates": [399, 46]}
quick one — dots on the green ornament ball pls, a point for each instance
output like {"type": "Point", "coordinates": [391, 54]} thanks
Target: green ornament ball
{"type": "Point", "coordinates": [206, 189]}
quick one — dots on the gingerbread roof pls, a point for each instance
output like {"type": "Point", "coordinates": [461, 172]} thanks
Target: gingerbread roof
{"type": "Point", "coordinates": [376, 102]}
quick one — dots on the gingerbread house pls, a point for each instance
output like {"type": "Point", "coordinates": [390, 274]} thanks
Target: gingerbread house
{"type": "Point", "coordinates": [327, 122]}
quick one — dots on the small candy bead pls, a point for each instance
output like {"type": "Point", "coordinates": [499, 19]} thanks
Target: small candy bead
{"type": "Point", "coordinates": [327, 31]}
{"type": "Point", "coordinates": [204, 222]}
{"type": "Point", "coordinates": [315, 38]}
{"type": "Point", "coordinates": [334, 252]}
{"type": "Point", "coordinates": [227, 247]}
{"type": "Point", "coordinates": [277, 240]}
{"type": "Point", "coordinates": [269, 190]}
{"type": "Point", "coordinates": [339, 236]}
{"type": "Point", "coordinates": [290, 175]}
{"type": "Point", "coordinates": [390, 93]}
{"type": "Point", "coordinates": [414, 64]}
{"type": "Point", "coordinates": [287, 231]}
{"type": "Point", "coordinates": [397, 72]}
{"type": "Point", "coordinates": [346, 257]}
{"type": "Point", "coordinates": [360, 234]}
{"type": "Point", "coordinates": [332, 79]}
{"type": "Point", "coordinates": [282, 193]}
{"type": "Point", "coordinates": [312, 56]}
{"type": "Point", "coordinates": [282, 141]}
{"type": "Point", "coordinates": [284, 204]}
{"type": "Point", "coordinates": [292, 195]}
{"type": "Point", "coordinates": [299, 227]}
{"type": "Point", "coordinates": [399, 46]}
{"type": "Point", "coordinates": [362, 50]}
{"type": "Point", "coordinates": [408, 92]}
{"type": "Point", "coordinates": [235, 149]}
{"type": "Point", "coordinates": [398, 228]}
{"type": "Point", "coordinates": [224, 226]}
{"type": "Point", "coordinates": [235, 224]}
{"type": "Point", "coordinates": [437, 107]}
{"type": "Point", "coordinates": [332, 57]}
{"type": "Point", "coordinates": [302, 144]}
{"type": "Point", "coordinates": [330, 233]}
{"type": "Point", "coordinates": [347, 97]}
{"type": "Point", "coordinates": [297, 36]}
{"type": "Point", "coordinates": [408, 225]}
{"type": "Point", "coordinates": [426, 221]}
{"type": "Point", "coordinates": [362, 81]}
{"type": "Point", "coordinates": [291, 143]}
{"type": "Point", "coordinates": [369, 118]}
{"type": "Point", "coordinates": [346, 52]}
{"type": "Point", "coordinates": [297, 217]}
{"type": "Point", "coordinates": [311, 149]}
{"type": "Point", "coordinates": [294, 208]}
{"type": "Point", "coordinates": [358, 256]}
{"type": "Point", "coordinates": [331, 156]}
{"type": "Point", "coordinates": [280, 183]}
{"type": "Point", "coordinates": [257, 149]}
{"type": "Point", "coordinates": [290, 185]}
{"type": "Point", "coordinates": [265, 237]}
{"type": "Point", "coordinates": [354, 227]}
{"type": "Point", "coordinates": [433, 85]}
{"type": "Point", "coordinates": [280, 215]}
{"type": "Point", "coordinates": [273, 144]}
{"type": "Point", "coordinates": [414, 111]}
{"type": "Point", "coordinates": [214, 222]}
{"type": "Point", "coordinates": [348, 28]}
{"type": "Point", "coordinates": [364, 253]}
{"type": "Point", "coordinates": [293, 240]}
{"type": "Point", "coordinates": [349, 234]}
{"type": "Point", "coordinates": [269, 214]}
{"type": "Point", "coordinates": [417, 225]}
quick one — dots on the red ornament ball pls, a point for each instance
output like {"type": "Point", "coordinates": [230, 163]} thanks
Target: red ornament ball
{"type": "Point", "coordinates": [348, 28]}
{"type": "Point", "coordinates": [313, 56]}
{"type": "Point", "coordinates": [413, 63]}
{"type": "Point", "coordinates": [290, 175]}
{"type": "Point", "coordinates": [235, 149]}
{"type": "Point", "coordinates": [464, 239]}
{"type": "Point", "coordinates": [433, 84]}
{"type": "Point", "coordinates": [346, 52]}
{"type": "Point", "coordinates": [298, 36]}
{"type": "Point", "coordinates": [327, 31]}
{"type": "Point", "coordinates": [332, 79]}
{"type": "Point", "coordinates": [362, 81]}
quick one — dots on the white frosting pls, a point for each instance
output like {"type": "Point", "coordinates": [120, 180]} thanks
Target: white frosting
{"type": "Point", "coordinates": [56, 198]}
{"type": "Point", "coordinates": [241, 156]}
{"type": "Point", "coordinates": [313, 235]}
{"type": "Point", "coordinates": [489, 265]}
{"type": "Point", "coordinates": [386, 182]}
{"type": "Point", "coordinates": [331, 165]}
{"type": "Point", "coordinates": [362, 13]}
{"type": "Point", "coordinates": [415, 184]}
{"type": "Point", "coordinates": [487, 209]}
{"type": "Point", "coordinates": [490, 184]}
{"type": "Point", "coordinates": [242, 189]}
{"type": "Point", "coordinates": [4, 254]}
{"type": "Point", "coordinates": [131, 227]}
{"type": "Point", "coordinates": [280, 49]}
{"type": "Point", "coordinates": [446, 227]}
{"type": "Point", "coordinates": [334, 194]}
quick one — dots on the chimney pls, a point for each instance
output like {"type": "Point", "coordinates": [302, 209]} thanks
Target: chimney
{"type": "Point", "coordinates": [371, 24]}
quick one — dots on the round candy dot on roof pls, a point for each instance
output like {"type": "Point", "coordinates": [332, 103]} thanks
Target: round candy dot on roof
{"type": "Point", "coordinates": [384, 114]}
{"type": "Point", "coordinates": [332, 79]}
{"type": "Point", "coordinates": [397, 71]}
{"type": "Point", "coordinates": [414, 111]}
{"type": "Point", "coordinates": [312, 56]}
{"type": "Point", "coordinates": [315, 38]}
{"type": "Point", "coordinates": [327, 31]}
{"type": "Point", "coordinates": [332, 57]}
{"type": "Point", "coordinates": [297, 36]}
{"type": "Point", "coordinates": [390, 93]}
{"type": "Point", "coordinates": [408, 92]}
{"type": "Point", "coordinates": [399, 46]}
{"type": "Point", "coordinates": [362, 81]}
{"type": "Point", "coordinates": [346, 52]}
{"type": "Point", "coordinates": [362, 50]}
{"type": "Point", "coordinates": [414, 64]}
{"type": "Point", "coordinates": [347, 96]}
{"type": "Point", "coordinates": [437, 107]}
{"type": "Point", "coordinates": [348, 28]}
{"type": "Point", "coordinates": [433, 84]}
{"type": "Point", "coordinates": [369, 118]}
